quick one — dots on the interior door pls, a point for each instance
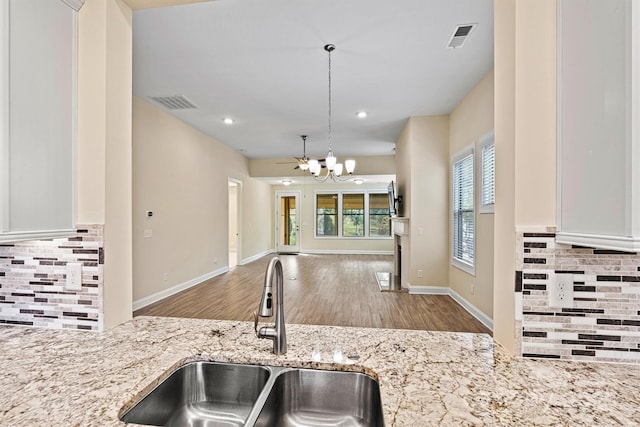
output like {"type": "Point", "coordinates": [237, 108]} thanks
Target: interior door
{"type": "Point", "coordinates": [287, 223]}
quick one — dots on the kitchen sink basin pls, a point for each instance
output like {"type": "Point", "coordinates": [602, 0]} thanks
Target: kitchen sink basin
{"type": "Point", "coordinates": [307, 397]}
{"type": "Point", "coordinates": [202, 394]}
{"type": "Point", "coordinates": [212, 394]}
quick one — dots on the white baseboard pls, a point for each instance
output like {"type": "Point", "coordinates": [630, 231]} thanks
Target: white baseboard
{"type": "Point", "coordinates": [429, 290]}
{"type": "Point", "coordinates": [143, 302]}
{"type": "Point", "coordinates": [444, 290]}
{"type": "Point", "coordinates": [343, 252]}
{"type": "Point", "coordinates": [256, 256]}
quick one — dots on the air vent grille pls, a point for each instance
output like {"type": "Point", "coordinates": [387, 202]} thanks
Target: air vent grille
{"type": "Point", "coordinates": [177, 102]}
{"type": "Point", "coordinates": [460, 35]}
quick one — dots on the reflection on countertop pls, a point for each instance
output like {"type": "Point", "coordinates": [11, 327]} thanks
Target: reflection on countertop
{"type": "Point", "coordinates": [426, 378]}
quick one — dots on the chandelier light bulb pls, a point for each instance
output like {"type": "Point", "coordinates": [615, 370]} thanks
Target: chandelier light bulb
{"type": "Point", "coordinates": [350, 166]}
{"type": "Point", "coordinates": [314, 166]}
{"type": "Point", "coordinates": [331, 161]}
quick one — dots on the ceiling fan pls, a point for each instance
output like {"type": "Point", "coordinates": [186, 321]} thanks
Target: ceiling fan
{"type": "Point", "coordinates": [303, 162]}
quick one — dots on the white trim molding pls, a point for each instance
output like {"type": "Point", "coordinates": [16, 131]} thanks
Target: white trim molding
{"type": "Point", "coordinates": [143, 302]}
{"type": "Point", "coordinates": [36, 235]}
{"type": "Point", "coordinates": [444, 290]}
{"type": "Point", "coordinates": [344, 252]}
{"type": "Point", "coordinates": [619, 243]}
{"type": "Point", "coordinates": [256, 256]}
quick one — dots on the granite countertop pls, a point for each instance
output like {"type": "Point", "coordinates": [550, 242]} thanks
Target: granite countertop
{"type": "Point", "coordinates": [73, 378]}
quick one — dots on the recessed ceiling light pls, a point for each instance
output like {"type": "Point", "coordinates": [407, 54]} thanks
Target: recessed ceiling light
{"type": "Point", "coordinates": [228, 121]}
{"type": "Point", "coordinates": [358, 181]}
{"type": "Point", "coordinates": [362, 114]}
{"type": "Point", "coordinates": [286, 182]}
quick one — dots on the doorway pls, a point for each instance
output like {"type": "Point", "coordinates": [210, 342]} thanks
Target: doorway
{"type": "Point", "coordinates": [234, 220]}
{"type": "Point", "coordinates": [287, 221]}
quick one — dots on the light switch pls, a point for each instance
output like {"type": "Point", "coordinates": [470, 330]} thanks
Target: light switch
{"type": "Point", "coordinates": [148, 234]}
{"type": "Point", "coordinates": [74, 276]}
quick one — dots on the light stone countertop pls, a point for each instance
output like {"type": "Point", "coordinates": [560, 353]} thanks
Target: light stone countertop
{"type": "Point", "coordinates": [73, 378]}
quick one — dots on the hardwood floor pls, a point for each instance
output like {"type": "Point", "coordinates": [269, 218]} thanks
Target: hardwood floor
{"type": "Point", "coordinates": [336, 290]}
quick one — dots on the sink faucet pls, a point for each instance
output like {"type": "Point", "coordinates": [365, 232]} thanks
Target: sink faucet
{"type": "Point", "coordinates": [277, 332]}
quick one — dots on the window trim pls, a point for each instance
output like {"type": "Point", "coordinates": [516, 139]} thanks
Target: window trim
{"type": "Point", "coordinates": [487, 140]}
{"type": "Point", "coordinates": [463, 265]}
{"type": "Point", "coordinates": [367, 223]}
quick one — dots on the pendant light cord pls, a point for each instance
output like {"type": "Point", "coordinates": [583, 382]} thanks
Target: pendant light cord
{"type": "Point", "coordinates": [329, 48]}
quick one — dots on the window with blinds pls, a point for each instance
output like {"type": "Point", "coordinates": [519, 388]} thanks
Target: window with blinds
{"type": "Point", "coordinates": [379, 216]}
{"type": "Point", "coordinates": [463, 218]}
{"type": "Point", "coordinates": [347, 214]}
{"type": "Point", "coordinates": [487, 190]}
{"type": "Point", "coordinates": [353, 215]}
{"type": "Point", "coordinates": [326, 215]}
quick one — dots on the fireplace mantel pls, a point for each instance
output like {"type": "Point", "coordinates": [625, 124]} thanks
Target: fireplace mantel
{"type": "Point", "coordinates": [400, 226]}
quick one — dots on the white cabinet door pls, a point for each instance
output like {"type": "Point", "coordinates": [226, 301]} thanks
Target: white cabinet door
{"type": "Point", "coordinates": [38, 119]}
{"type": "Point", "coordinates": [598, 139]}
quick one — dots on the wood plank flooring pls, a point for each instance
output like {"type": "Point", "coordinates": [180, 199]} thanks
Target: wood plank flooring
{"type": "Point", "coordinates": [338, 290]}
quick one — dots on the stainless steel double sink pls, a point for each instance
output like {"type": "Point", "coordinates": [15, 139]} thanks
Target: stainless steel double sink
{"type": "Point", "coordinates": [208, 394]}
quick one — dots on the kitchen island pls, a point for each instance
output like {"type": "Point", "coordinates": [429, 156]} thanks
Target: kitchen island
{"type": "Point", "coordinates": [78, 378]}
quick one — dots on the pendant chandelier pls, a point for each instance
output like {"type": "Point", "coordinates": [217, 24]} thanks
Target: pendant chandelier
{"type": "Point", "coordinates": [334, 169]}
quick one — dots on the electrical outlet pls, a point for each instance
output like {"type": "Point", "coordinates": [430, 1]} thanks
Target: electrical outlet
{"type": "Point", "coordinates": [560, 290]}
{"type": "Point", "coordinates": [74, 276]}
{"type": "Point", "coordinates": [420, 273]}
{"type": "Point", "coordinates": [165, 277]}
{"type": "Point", "coordinates": [473, 289]}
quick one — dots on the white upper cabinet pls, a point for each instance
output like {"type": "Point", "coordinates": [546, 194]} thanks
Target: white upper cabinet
{"type": "Point", "coordinates": [38, 85]}
{"type": "Point", "coordinates": [598, 119]}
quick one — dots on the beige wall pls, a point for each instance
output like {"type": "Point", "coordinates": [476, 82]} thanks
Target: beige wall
{"type": "Point", "coordinates": [525, 70]}
{"type": "Point", "coordinates": [104, 143]}
{"type": "Point", "coordinates": [504, 216]}
{"type": "Point", "coordinates": [535, 108]}
{"type": "Point", "coordinates": [422, 152]}
{"type": "Point", "coordinates": [471, 119]}
{"type": "Point", "coordinates": [257, 218]}
{"type": "Point", "coordinates": [308, 241]}
{"type": "Point", "coordinates": [182, 175]}
{"type": "Point", "coordinates": [403, 168]}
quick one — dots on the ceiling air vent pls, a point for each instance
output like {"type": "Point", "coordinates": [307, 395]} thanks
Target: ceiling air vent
{"type": "Point", "coordinates": [460, 35]}
{"type": "Point", "coordinates": [177, 102]}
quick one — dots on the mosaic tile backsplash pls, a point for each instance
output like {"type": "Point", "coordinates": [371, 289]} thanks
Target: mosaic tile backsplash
{"type": "Point", "coordinates": [600, 323]}
{"type": "Point", "coordinates": [33, 282]}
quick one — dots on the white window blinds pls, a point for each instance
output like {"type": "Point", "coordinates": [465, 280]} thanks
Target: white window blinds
{"type": "Point", "coordinates": [463, 217]}
{"type": "Point", "coordinates": [487, 194]}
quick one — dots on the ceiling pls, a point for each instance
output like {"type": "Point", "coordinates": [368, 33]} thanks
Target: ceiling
{"type": "Point", "coordinates": [262, 63]}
